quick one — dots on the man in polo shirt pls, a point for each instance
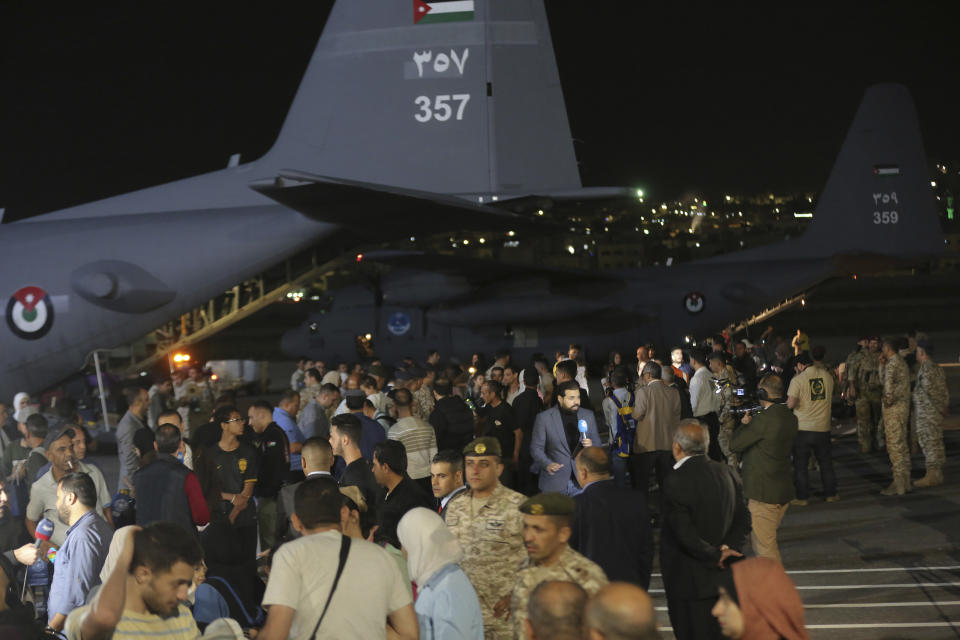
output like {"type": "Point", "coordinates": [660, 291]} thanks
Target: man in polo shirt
{"type": "Point", "coordinates": [82, 555]}
{"type": "Point", "coordinates": [284, 415]}
{"type": "Point", "coordinates": [43, 493]}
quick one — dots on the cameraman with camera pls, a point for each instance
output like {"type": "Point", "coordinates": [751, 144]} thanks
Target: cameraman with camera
{"type": "Point", "coordinates": [765, 442]}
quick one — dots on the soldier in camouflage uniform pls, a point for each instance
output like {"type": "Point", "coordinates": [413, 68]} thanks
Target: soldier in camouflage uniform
{"type": "Point", "coordinates": [896, 408]}
{"type": "Point", "coordinates": [547, 524]}
{"type": "Point", "coordinates": [850, 368]}
{"type": "Point", "coordinates": [311, 389]}
{"type": "Point", "coordinates": [866, 389]}
{"type": "Point", "coordinates": [487, 522]}
{"type": "Point", "coordinates": [727, 380]}
{"type": "Point", "coordinates": [930, 402]}
{"type": "Point", "coordinates": [423, 396]}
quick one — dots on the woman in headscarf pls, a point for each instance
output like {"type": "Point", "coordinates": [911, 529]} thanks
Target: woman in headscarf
{"type": "Point", "coordinates": [20, 401]}
{"type": "Point", "coordinates": [759, 602]}
{"type": "Point", "coordinates": [447, 606]}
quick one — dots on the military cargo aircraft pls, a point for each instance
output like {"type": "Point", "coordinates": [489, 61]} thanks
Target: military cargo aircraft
{"type": "Point", "coordinates": [410, 115]}
{"type": "Point", "coordinates": [876, 207]}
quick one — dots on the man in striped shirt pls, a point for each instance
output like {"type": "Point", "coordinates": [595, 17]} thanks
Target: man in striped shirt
{"type": "Point", "coordinates": [142, 594]}
{"type": "Point", "coordinates": [417, 436]}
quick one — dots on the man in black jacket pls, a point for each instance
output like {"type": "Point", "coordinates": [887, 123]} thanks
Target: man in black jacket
{"type": "Point", "coordinates": [345, 435]}
{"type": "Point", "coordinates": [274, 448]}
{"type": "Point", "coordinates": [526, 406]}
{"type": "Point", "coordinates": [612, 526]}
{"type": "Point", "coordinates": [705, 523]}
{"type": "Point", "coordinates": [451, 419]}
{"type": "Point", "coordinates": [402, 492]}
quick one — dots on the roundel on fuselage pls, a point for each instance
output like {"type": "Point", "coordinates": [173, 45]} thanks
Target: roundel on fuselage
{"type": "Point", "coordinates": [30, 313]}
{"type": "Point", "coordinates": [693, 302]}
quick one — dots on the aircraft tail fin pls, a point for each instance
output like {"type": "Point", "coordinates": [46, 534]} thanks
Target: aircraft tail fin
{"type": "Point", "coordinates": [878, 197]}
{"type": "Point", "coordinates": [443, 96]}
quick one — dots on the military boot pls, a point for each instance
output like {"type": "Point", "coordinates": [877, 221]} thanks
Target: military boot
{"type": "Point", "coordinates": [898, 487]}
{"type": "Point", "coordinates": [933, 478]}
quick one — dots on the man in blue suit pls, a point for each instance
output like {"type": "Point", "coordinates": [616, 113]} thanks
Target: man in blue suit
{"type": "Point", "coordinates": [556, 439]}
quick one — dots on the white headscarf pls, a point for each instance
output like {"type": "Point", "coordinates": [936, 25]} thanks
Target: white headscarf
{"type": "Point", "coordinates": [23, 395]}
{"type": "Point", "coordinates": [428, 542]}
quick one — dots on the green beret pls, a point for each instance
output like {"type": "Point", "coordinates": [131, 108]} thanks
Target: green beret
{"type": "Point", "coordinates": [486, 446]}
{"type": "Point", "coordinates": [549, 504]}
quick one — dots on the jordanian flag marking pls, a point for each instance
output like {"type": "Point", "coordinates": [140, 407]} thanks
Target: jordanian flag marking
{"type": "Point", "coordinates": [30, 313]}
{"type": "Point", "coordinates": [442, 11]}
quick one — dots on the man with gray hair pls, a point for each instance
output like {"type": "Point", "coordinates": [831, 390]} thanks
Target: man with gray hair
{"type": "Point", "coordinates": [705, 523]}
{"type": "Point", "coordinates": [657, 412]}
{"type": "Point", "coordinates": [555, 611]}
{"type": "Point", "coordinates": [620, 611]}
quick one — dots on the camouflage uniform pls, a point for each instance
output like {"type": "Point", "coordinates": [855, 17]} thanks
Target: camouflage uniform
{"type": "Point", "coordinates": [423, 402]}
{"type": "Point", "coordinates": [896, 406]}
{"type": "Point", "coordinates": [866, 379]}
{"type": "Point", "coordinates": [930, 400]}
{"type": "Point", "coordinates": [307, 394]}
{"type": "Point", "coordinates": [569, 567]}
{"type": "Point", "coordinates": [490, 530]}
{"type": "Point", "coordinates": [727, 421]}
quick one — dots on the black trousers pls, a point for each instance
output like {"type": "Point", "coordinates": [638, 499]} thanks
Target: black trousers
{"type": "Point", "coordinates": [818, 443]}
{"type": "Point", "coordinates": [713, 426]}
{"type": "Point", "coordinates": [661, 462]}
{"type": "Point", "coordinates": [692, 620]}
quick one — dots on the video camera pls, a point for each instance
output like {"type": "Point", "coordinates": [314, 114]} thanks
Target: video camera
{"type": "Point", "coordinates": [742, 401]}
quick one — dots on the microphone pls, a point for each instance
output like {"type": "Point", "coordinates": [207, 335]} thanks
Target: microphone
{"type": "Point", "coordinates": [581, 425]}
{"type": "Point", "coordinates": [43, 532]}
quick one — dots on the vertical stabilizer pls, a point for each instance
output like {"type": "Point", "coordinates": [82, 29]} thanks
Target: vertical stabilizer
{"type": "Point", "coordinates": [448, 96]}
{"type": "Point", "coordinates": [878, 198]}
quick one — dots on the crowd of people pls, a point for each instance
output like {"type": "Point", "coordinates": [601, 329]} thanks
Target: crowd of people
{"type": "Point", "coordinates": [435, 500]}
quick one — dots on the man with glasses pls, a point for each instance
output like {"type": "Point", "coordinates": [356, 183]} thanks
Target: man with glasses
{"type": "Point", "coordinates": [236, 464]}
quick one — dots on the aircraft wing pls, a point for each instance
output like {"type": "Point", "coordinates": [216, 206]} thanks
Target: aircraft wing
{"type": "Point", "coordinates": [387, 210]}
{"type": "Point", "coordinates": [487, 269]}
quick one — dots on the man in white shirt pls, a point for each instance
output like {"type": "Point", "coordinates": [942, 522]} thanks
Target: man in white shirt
{"type": "Point", "coordinates": [370, 590]}
{"type": "Point", "coordinates": [705, 401]}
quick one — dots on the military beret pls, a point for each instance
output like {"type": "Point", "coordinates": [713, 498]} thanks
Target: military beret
{"type": "Point", "coordinates": [549, 504]}
{"type": "Point", "coordinates": [486, 446]}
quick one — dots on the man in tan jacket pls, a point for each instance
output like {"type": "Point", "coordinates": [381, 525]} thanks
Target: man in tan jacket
{"type": "Point", "coordinates": [657, 412]}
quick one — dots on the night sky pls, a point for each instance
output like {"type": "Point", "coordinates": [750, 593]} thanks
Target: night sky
{"type": "Point", "coordinates": [668, 96]}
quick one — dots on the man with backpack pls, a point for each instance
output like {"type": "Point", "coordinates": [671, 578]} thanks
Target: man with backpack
{"type": "Point", "coordinates": [618, 410]}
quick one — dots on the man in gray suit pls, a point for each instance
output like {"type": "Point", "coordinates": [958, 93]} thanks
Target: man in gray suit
{"type": "Point", "coordinates": [556, 439]}
{"type": "Point", "coordinates": [138, 400]}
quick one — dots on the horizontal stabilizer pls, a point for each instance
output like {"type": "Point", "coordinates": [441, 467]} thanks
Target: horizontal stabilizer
{"type": "Point", "coordinates": [386, 210]}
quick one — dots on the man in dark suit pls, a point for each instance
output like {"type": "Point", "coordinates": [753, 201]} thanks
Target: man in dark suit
{"type": "Point", "coordinates": [317, 460]}
{"type": "Point", "coordinates": [556, 438]}
{"type": "Point", "coordinates": [705, 523]}
{"type": "Point", "coordinates": [612, 527]}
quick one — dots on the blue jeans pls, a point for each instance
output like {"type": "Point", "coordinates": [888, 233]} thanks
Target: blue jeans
{"type": "Point", "coordinates": [817, 443]}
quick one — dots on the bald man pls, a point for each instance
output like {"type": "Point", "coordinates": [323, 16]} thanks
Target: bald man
{"type": "Point", "coordinates": [620, 611]}
{"type": "Point", "coordinates": [317, 460]}
{"type": "Point", "coordinates": [555, 611]}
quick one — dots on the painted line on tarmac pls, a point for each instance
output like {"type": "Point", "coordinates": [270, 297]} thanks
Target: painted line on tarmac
{"type": "Point", "coordinates": [887, 625]}
{"type": "Point", "coordinates": [867, 605]}
{"type": "Point", "coordinates": [906, 585]}
{"type": "Point", "coordinates": [870, 570]}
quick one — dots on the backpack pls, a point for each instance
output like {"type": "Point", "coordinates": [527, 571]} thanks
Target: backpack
{"type": "Point", "coordinates": [626, 427]}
